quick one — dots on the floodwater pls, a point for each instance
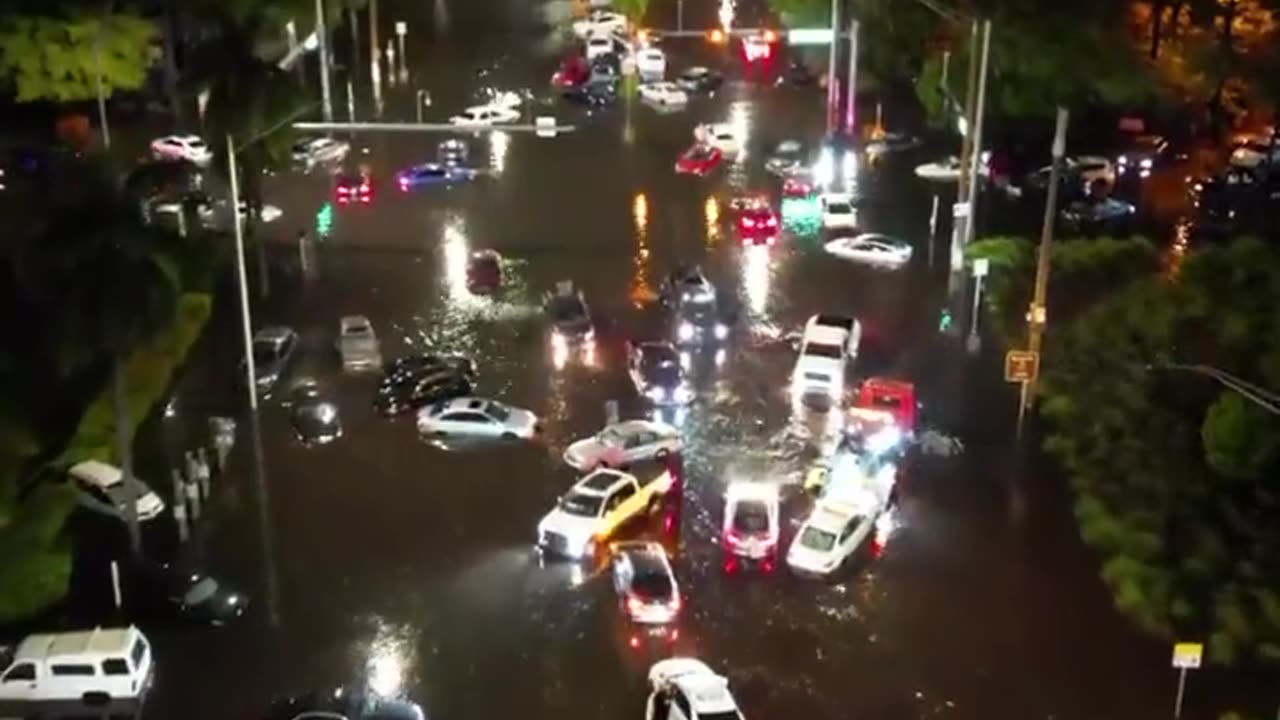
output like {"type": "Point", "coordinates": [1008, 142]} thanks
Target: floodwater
{"type": "Point", "coordinates": [385, 560]}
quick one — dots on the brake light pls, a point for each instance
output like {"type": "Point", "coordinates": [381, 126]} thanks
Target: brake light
{"type": "Point", "coordinates": [748, 222]}
{"type": "Point", "coordinates": [675, 603]}
{"type": "Point", "coordinates": [634, 606]}
{"type": "Point", "coordinates": [770, 240]}
{"type": "Point", "coordinates": [769, 36]}
{"type": "Point", "coordinates": [773, 221]}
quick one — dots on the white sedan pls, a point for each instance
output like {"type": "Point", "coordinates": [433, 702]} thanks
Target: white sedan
{"type": "Point", "coordinates": [651, 63]}
{"type": "Point", "coordinates": [477, 417]}
{"type": "Point", "coordinates": [181, 147]}
{"type": "Point", "coordinates": [316, 151]}
{"type": "Point", "coordinates": [871, 249]}
{"type": "Point", "coordinates": [600, 22]}
{"type": "Point", "coordinates": [837, 210]}
{"type": "Point", "coordinates": [683, 688]}
{"type": "Point", "coordinates": [485, 115]}
{"type": "Point", "coordinates": [667, 94]}
{"type": "Point", "coordinates": [719, 135]}
{"type": "Point", "coordinates": [624, 443]}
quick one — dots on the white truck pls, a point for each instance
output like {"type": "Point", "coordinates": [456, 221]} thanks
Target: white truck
{"type": "Point", "coordinates": [89, 666]}
{"type": "Point", "coordinates": [595, 508]}
{"type": "Point", "coordinates": [827, 345]}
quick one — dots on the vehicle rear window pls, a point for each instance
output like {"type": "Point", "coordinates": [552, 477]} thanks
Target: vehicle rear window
{"type": "Point", "coordinates": [888, 402]}
{"type": "Point", "coordinates": [75, 670]}
{"type": "Point", "coordinates": [816, 539]}
{"type": "Point", "coordinates": [817, 377]}
{"type": "Point", "coordinates": [652, 586]}
{"type": "Point", "coordinates": [115, 666]}
{"type": "Point", "coordinates": [823, 350]}
{"type": "Point", "coordinates": [839, 208]}
{"type": "Point", "coordinates": [750, 517]}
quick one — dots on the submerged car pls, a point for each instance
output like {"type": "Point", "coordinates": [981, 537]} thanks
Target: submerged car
{"type": "Point", "coordinates": [624, 443]}
{"type": "Point", "coordinates": [187, 596]}
{"type": "Point", "coordinates": [313, 415]}
{"type": "Point", "coordinates": [750, 533]}
{"type": "Point", "coordinates": [405, 392]}
{"type": "Point", "coordinates": [357, 344]}
{"type": "Point", "coordinates": [571, 325]}
{"type": "Point", "coordinates": [484, 271]}
{"type": "Point", "coordinates": [433, 174]}
{"type": "Point", "coordinates": [344, 703]}
{"type": "Point", "coordinates": [418, 363]}
{"type": "Point", "coordinates": [477, 417]}
{"type": "Point", "coordinates": [699, 160]}
{"type": "Point", "coordinates": [273, 350]}
{"type": "Point", "coordinates": [657, 374]}
{"type": "Point", "coordinates": [646, 585]}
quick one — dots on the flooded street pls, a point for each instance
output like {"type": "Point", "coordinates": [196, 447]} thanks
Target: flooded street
{"type": "Point", "coordinates": [384, 559]}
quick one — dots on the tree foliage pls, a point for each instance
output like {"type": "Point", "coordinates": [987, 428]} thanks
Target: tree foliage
{"type": "Point", "coordinates": [56, 57]}
{"type": "Point", "coordinates": [634, 10]}
{"type": "Point", "coordinates": [1173, 475]}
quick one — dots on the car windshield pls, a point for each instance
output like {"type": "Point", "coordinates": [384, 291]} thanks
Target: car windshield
{"type": "Point", "coordinates": [201, 591]}
{"type": "Point", "coordinates": [698, 153]}
{"type": "Point", "coordinates": [823, 350]}
{"type": "Point", "coordinates": [887, 402]}
{"type": "Point", "coordinates": [750, 517]}
{"type": "Point", "coordinates": [652, 585]}
{"type": "Point", "coordinates": [358, 329]}
{"type": "Point", "coordinates": [498, 411]}
{"type": "Point", "coordinates": [579, 504]}
{"type": "Point", "coordinates": [839, 208]}
{"type": "Point", "coordinates": [264, 352]}
{"type": "Point", "coordinates": [196, 144]}
{"type": "Point", "coordinates": [816, 539]}
{"type": "Point", "coordinates": [698, 313]}
{"type": "Point", "coordinates": [567, 308]}
{"type": "Point", "coordinates": [726, 715]}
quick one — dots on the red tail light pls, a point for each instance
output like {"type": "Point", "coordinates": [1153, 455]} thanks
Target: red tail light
{"type": "Point", "coordinates": [674, 636]}
{"type": "Point", "coordinates": [635, 641]}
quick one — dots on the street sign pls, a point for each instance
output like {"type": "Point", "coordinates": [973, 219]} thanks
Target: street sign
{"type": "Point", "coordinates": [1021, 366]}
{"type": "Point", "coordinates": [960, 210]}
{"type": "Point", "coordinates": [981, 266]}
{"type": "Point", "coordinates": [402, 28]}
{"type": "Point", "coordinates": [1187, 655]}
{"type": "Point", "coordinates": [809, 36]}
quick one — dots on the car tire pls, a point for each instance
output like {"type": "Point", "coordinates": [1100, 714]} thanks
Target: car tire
{"type": "Point", "coordinates": [96, 697]}
{"type": "Point", "coordinates": [509, 436]}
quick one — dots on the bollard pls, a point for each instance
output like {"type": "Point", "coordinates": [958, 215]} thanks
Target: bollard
{"type": "Point", "coordinates": [193, 499]}
{"type": "Point", "coordinates": [189, 467]}
{"type": "Point", "coordinates": [180, 507]}
{"type": "Point", "coordinates": [202, 465]}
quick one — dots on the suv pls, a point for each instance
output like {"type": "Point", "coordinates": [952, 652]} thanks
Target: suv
{"type": "Point", "coordinates": [95, 665]}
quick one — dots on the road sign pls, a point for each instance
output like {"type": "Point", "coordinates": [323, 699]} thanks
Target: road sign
{"type": "Point", "coordinates": [981, 266]}
{"type": "Point", "coordinates": [1187, 655]}
{"type": "Point", "coordinates": [809, 36]}
{"type": "Point", "coordinates": [402, 28]}
{"type": "Point", "coordinates": [1021, 366]}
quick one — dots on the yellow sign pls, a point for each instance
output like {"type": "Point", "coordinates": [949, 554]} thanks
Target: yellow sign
{"type": "Point", "coordinates": [1021, 366]}
{"type": "Point", "coordinates": [1186, 655]}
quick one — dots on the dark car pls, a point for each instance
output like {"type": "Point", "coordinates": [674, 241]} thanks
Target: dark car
{"type": "Point", "coordinates": [1098, 211]}
{"type": "Point", "coordinates": [313, 415]}
{"type": "Point", "coordinates": [484, 271]}
{"type": "Point", "coordinates": [433, 174]}
{"type": "Point", "coordinates": [185, 595]}
{"type": "Point", "coordinates": [594, 94]}
{"type": "Point", "coordinates": [700, 79]}
{"type": "Point", "coordinates": [453, 151]}
{"type": "Point", "coordinates": [407, 392]}
{"type": "Point", "coordinates": [344, 703]}
{"type": "Point", "coordinates": [1141, 153]}
{"type": "Point", "coordinates": [427, 362]}
{"type": "Point", "coordinates": [656, 372]}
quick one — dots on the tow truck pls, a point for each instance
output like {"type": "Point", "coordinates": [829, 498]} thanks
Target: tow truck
{"type": "Point", "coordinates": [878, 426]}
{"type": "Point", "coordinates": [598, 506]}
{"type": "Point", "coordinates": [895, 397]}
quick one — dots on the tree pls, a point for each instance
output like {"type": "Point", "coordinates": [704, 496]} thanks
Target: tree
{"type": "Point", "coordinates": [803, 13]}
{"type": "Point", "coordinates": [1172, 474]}
{"type": "Point", "coordinates": [56, 57]}
{"type": "Point", "coordinates": [634, 10]}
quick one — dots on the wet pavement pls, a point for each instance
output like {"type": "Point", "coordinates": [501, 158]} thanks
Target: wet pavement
{"type": "Point", "coordinates": [383, 559]}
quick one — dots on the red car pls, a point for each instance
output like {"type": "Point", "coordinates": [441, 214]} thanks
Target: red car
{"type": "Point", "coordinates": [758, 225]}
{"type": "Point", "coordinates": [484, 272]}
{"type": "Point", "coordinates": [354, 189]}
{"type": "Point", "coordinates": [699, 160]}
{"type": "Point", "coordinates": [573, 72]}
{"type": "Point", "coordinates": [797, 186]}
{"type": "Point", "coordinates": [895, 397]}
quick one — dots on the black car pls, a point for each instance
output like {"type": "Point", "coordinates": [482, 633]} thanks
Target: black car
{"type": "Point", "coordinates": [344, 703]}
{"type": "Point", "coordinates": [185, 595]}
{"type": "Point", "coordinates": [426, 362]}
{"type": "Point", "coordinates": [313, 415]}
{"type": "Point", "coordinates": [656, 372]}
{"type": "Point", "coordinates": [406, 392]}
{"type": "Point", "coordinates": [700, 79]}
{"type": "Point", "coordinates": [600, 94]}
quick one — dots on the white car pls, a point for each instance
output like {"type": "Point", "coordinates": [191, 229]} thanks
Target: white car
{"type": "Point", "coordinates": [825, 349]}
{"type": "Point", "coordinates": [719, 135]}
{"type": "Point", "coordinates": [651, 63]}
{"type": "Point", "coordinates": [624, 443]}
{"type": "Point", "coordinates": [477, 417]}
{"type": "Point", "coordinates": [182, 147]}
{"type": "Point", "coordinates": [871, 249]}
{"type": "Point", "coordinates": [100, 487]}
{"type": "Point", "coordinates": [84, 666]}
{"type": "Point", "coordinates": [317, 151]}
{"type": "Point", "coordinates": [686, 689]}
{"type": "Point", "coordinates": [600, 22]}
{"type": "Point", "coordinates": [831, 533]}
{"type": "Point", "coordinates": [599, 45]}
{"type": "Point", "coordinates": [208, 213]}
{"type": "Point", "coordinates": [358, 344]}
{"type": "Point", "coordinates": [1249, 153]}
{"type": "Point", "coordinates": [751, 520]}
{"type": "Point", "coordinates": [664, 93]}
{"type": "Point", "coordinates": [838, 211]}
{"type": "Point", "coordinates": [595, 507]}
{"type": "Point", "coordinates": [948, 170]}
{"type": "Point", "coordinates": [485, 115]}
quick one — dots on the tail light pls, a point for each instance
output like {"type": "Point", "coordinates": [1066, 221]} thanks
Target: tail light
{"type": "Point", "coordinates": [748, 222]}
{"type": "Point", "coordinates": [770, 240]}
{"type": "Point", "coordinates": [634, 641]}
{"type": "Point", "coordinates": [675, 603]}
{"type": "Point", "coordinates": [634, 606]}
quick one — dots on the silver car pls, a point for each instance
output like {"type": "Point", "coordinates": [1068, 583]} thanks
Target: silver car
{"type": "Point", "coordinates": [358, 344]}
{"type": "Point", "coordinates": [273, 349]}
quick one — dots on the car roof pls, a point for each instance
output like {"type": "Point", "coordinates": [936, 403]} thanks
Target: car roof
{"type": "Point", "coordinates": [53, 646]}
{"type": "Point", "coordinates": [836, 197]}
{"type": "Point", "coordinates": [646, 557]}
{"type": "Point", "coordinates": [831, 516]}
{"type": "Point", "coordinates": [743, 490]}
{"type": "Point", "coordinates": [600, 481]}
{"type": "Point", "coordinates": [881, 238]}
{"type": "Point", "coordinates": [826, 334]}
{"type": "Point", "coordinates": [707, 692]}
{"type": "Point", "coordinates": [657, 350]}
{"type": "Point", "coordinates": [96, 473]}
{"type": "Point", "coordinates": [466, 403]}
{"type": "Point", "coordinates": [274, 333]}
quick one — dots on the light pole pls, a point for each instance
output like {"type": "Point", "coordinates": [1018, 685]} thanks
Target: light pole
{"type": "Point", "coordinates": [242, 277]}
{"type": "Point", "coordinates": [1036, 314]}
{"type": "Point", "coordinates": [832, 92]}
{"type": "Point", "coordinates": [402, 29]}
{"type": "Point", "coordinates": [959, 211]}
{"type": "Point", "coordinates": [375, 64]}
{"type": "Point", "coordinates": [323, 44]}
{"type": "Point", "coordinates": [975, 150]}
{"type": "Point", "coordinates": [102, 96]}
{"type": "Point", "coordinates": [853, 75]}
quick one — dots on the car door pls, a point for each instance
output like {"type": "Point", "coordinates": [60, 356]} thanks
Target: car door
{"type": "Point", "coordinates": [20, 682]}
{"type": "Point", "coordinates": [680, 707]}
{"type": "Point", "coordinates": [621, 574]}
{"type": "Point", "coordinates": [619, 506]}
{"type": "Point", "coordinates": [853, 534]}
{"type": "Point", "coordinates": [640, 445]}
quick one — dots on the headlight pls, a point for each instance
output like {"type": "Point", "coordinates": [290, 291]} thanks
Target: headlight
{"type": "Point", "coordinates": [685, 332]}
{"type": "Point", "coordinates": [682, 394]}
{"type": "Point", "coordinates": [656, 393]}
{"type": "Point", "coordinates": [722, 331]}
{"type": "Point", "coordinates": [557, 340]}
{"type": "Point", "coordinates": [1146, 163]}
{"type": "Point", "coordinates": [1123, 160]}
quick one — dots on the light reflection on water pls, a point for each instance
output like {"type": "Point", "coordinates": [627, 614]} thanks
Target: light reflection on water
{"type": "Point", "coordinates": [711, 215]}
{"type": "Point", "coordinates": [390, 662]}
{"type": "Point", "coordinates": [641, 292]}
{"type": "Point", "coordinates": [757, 274]}
{"type": "Point", "coordinates": [499, 143]}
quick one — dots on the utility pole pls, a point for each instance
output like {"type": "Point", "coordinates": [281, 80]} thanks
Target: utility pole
{"type": "Point", "coordinates": [241, 273]}
{"type": "Point", "coordinates": [375, 59]}
{"type": "Point", "coordinates": [1036, 315]}
{"type": "Point", "coordinates": [975, 149]}
{"type": "Point", "coordinates": [323, 40]}
{"type": "Point", "coordinates": [960, 213]}
{"type": "Point", "coordinates": [102, 96]}
{"type": "Point", "coordinates": [832, 85]}
{"type": "Point", "coordinates": [853, 75]}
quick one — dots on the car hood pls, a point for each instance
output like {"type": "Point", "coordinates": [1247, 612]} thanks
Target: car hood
{"type": "Point", "coordinates": [584, 451]}
{"type": "Point", "coordinates": [808, 559]}
{"type": "Point", "coordinates": [571, 526]}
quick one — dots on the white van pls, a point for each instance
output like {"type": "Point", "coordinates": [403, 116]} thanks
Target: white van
{"type": "Point", "coordinates": [95, 665]}
{"type": "Point", "coordinates": [825, 348]}
{"type": "Point", "coordinates": [100, 487]}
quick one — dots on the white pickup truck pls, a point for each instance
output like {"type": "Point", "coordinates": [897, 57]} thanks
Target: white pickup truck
{"type": "Point", "coordinates": [828, 343]}
{"type": "Point", "coordinates": [596, 506]}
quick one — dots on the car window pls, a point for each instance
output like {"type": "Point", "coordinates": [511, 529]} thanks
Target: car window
{"type": "Point", "coordinates": [816, 539]}
{"type": "Point", "coordinates": [850, 527]}
{"type": "Point", "coordinates": [751, 516]}
{"type": "Point", "coordinates": [20, 672]}
{"type": "Point", "coordinates": [823, 350]}
{"type": "Point", "coordinates": [620, 496]}
{"type": "Point", "coordinates": [138, 652]}
{"type": "Point", "coordinates": [580, 504]}
{"type": "Point", "coordinates": [70, 669]}
{"type": "Point", "coordinates": [115, 666]}
{"type": "Point", "coordinates": [682, 703]}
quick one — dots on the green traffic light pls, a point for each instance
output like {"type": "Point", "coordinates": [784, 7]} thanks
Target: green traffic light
{"type": "Point", "coordinates": [324, 220]}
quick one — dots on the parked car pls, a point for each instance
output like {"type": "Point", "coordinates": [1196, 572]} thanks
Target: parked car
{"type": "Point", "coordinates": [417, 363]}
{"type": "Point", "coordinates": [872, 249]}
{"type": "Point", "coordinates": [358, 345]}
{"type": "Point", "coordinates": [699, 79]}
{"type": "Point", "coordinates": [313, 415]}
{"type": "Point", "coordinates": [344, 703]}
{"type": "Point", "coordinates": [94, 666]}
{"type": "Point", "coordinates": [699, 160]}
{"type": "Point", "coordinates": [190, 148]}
{"type": "Point", "coordinates": [273, 351]}
{"type": "Point", "coordinates": [484, 271]}
{"type": "Point", "coordinates": [686, 689]}
{"type": "Point", "coordinates": [623, 443]}
{"type": "Point", "coordinates": [188, 596]}
{"type": "Point", "coordinates": [750, 533]}
{"type": "Point", "coordinates": [666, 94]}
{"type": "Point", "coordinates": [477, 417]}
{"type": "Point", "coordinates": [310, 152]}
{"type": "Point", "coordinates": [406, 392]}
{"type": "Point", "coordinates": [100, 487]}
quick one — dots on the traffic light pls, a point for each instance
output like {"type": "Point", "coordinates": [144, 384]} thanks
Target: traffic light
{"type": "Point", "coordinates": [944, 322]}
{"type": "Point", "coordinates": [324, 220]}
